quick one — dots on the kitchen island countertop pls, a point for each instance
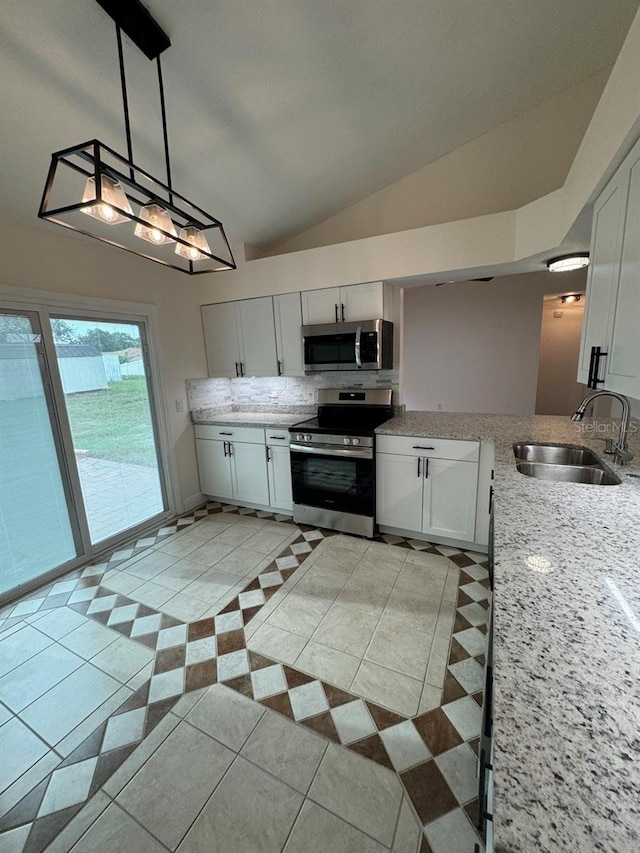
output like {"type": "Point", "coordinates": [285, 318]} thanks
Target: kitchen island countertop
{"type": "Point", "coordinates": [566, 639]}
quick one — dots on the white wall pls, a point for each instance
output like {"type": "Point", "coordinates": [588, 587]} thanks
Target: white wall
{"type": "Point", "coordinates": [473, 346]}
{"type": "Point", "coordinates": [558, 392]}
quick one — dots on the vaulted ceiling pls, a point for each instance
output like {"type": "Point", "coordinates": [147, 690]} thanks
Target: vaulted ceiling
{"type": "Point", "coordinates": [284, 112]}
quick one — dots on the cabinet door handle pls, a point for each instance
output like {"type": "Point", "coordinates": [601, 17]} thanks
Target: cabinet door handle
{"type": "Point", "coordinates": [224, 447]}
{"type": "Point", "coordinates": [422, 447]}
{"type": "Point", "coordinates": [268, 453]}
{"type": "Point", "coordinates": [490, 499]}
{"type": "Point", "coordinates": [237, 369]}
{"type": "Point", "coordinates": [279, 437]}
{"type": "Point", "coordinates": [230, 446]}
{"type": "Point", "coordinates": [241, 368]}
{"type": "Point", "coordinates": [226, 433]}
{"type": "Point", "coordinates": [342, 306]}
{"type": "Point", "coordinates": [426, 468]}
{"type": "Point", "coordinates": [336, 307]}
{"type": "Point", "coordinates": [419, 461]}
{"type": "Point", "coordinates": [279, 368]}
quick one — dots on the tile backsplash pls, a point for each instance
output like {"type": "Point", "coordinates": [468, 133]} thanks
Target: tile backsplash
{"type": "Point", "coordinates": [284, 393]}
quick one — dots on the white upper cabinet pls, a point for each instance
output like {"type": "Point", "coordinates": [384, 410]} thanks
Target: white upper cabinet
{"type": "Point", "coordinates": [612, 312]}
{"type": "Point", "coordinates": [287, 311]}
{"type": "Point", "coordinates": [370, 301]}
{"type": "Point", "coordinates": [240, 338]}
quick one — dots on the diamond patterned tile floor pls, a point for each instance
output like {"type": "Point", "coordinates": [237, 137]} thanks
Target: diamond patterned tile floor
{"type": "Point", "coordinates": [432, 751]}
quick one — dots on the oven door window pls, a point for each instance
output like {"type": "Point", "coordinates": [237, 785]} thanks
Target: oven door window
{"type": "Point", "coordinates": [337, 483]}
{"type": "Point", "coordinates": [330, 349]}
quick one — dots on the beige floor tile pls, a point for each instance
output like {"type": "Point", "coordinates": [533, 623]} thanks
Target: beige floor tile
{"type": "Point", "coordinates": [240, 562]}
{"type": "Point", "coordinates": [66, 746]}
{"type": "Point", "coordinates": [226, 715]}
{"type": "Point", "coordinates": [418, 612]}
{"type": "Point", "coordinates": [139, 756]}
{"type": "Point", "coordinates": [20, 646]}
{"type": "Point", "coordinates": [28, 780]}
{"type": "Point", "coordinates": [438, 659]}
{"type": "Point", "coordinates": [326, 587]}
{"type": "Point", "coordinates": [115, 830]}
{"type": "Point", "coordinates": [89, 639]}
{"type": "Point", "coordinates": [150, 565]}
{"type": "Point", "coordinates": [250, 810]}
{"type": "Point", "coordinates": [350, 543]}
{"type": "Point", "coordinates": [361, 792]}
{"type": "Point", "coordinates": [369, 596]}
{"type": "Point", "coordinates": [166, 795]}
{"type": "Point", "coordinates": [450, 592]}
{"type": "Point", "coordinates": [408, 832]}
{"type": "Point", "coordinates": [180, 574]}
{"type": "Point", "coordinates": [53, 716]}
{"type": "Point", "coordinates": [300, 614]}
{"type": "Point", "coordinates": [431, 698]}
{"type": "Point", "coordinates": [14, 840]}
{"type": "Point", "coordinates": [452, 831]}
{"type": "Point", "coordinates": [343, 560]}
{"type": "Point", "coordinates": [27, 682]}
{"type": "Point", "coordinates": [211, 586]}
{"type": "Point", "coordinates": [275, 642]}
{"type": "Point", "coordinates": [286, 750]}
{"type": "Point", "coordinates": [211, 552]}
{"type": "Point", "coordinates": [400, 648]}
{"type": "Point", "coordinates": [185, 607]}
{"type": "Point", "coordinates": [123, 659]}
{"type": "Point", "coordinates": [180, 546]}
{"type": "Point", "coordinates": [152, 594]}
{"type": "Point", "coordinates": [122, 582]}
{"type": "Point", "coordinates": [425, 580]}
{"type": "Point", "coordinates": [20, 749]}
{"type": "Point", "coordinates": [237, 535]}
{"type": "Point", "coordinates": [392, 690]}
{"type": "Point", "coordinates": [329, 664]}
{"type": "Point", "coordinates": [61, 621]}
{"type": "Point", "coordinates": [379, 569]}
{"type": "Point", "coordinates": [458, 766]}
{"type": "Point", "coordinates": [315, 823]}
{"type": "Point", "coordinates": [74, 830]}
{"type": "Point", "coordinates": [264, 542]}
{"type": "Point", "coordinates": [347, 630]}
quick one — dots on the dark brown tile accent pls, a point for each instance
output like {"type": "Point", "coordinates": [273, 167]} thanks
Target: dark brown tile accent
{"type": "Point", "coordinates": [286, 573]}
{"type": "Point", "coordinates": [279, 703]}
{"type": "Point", "coordinates": [80, 607]}
{"type": "Point", "coordinates": [478, 697]}
{"type": "Point", "coordinates": [429, 792]}
{"type": "Point", "coordinates": [457, 652]}
{"type": "Point", "coordinates": [461, 624]}
{"type": "Point", "coordinates": [123, 628]}
{"type": "Point", "coordinates": [383, 718]}
{"type": "Point", "coordinates": [272, 567]}
{"type": "Point", "coordinates": [475, 744]}
{"type": "Point", "coordinates": [471, 810]}
{"type": "Point", "coordinates": [485, 583]}
{"type": "Point", "coordinates": [231, 606]}
{"type": "Point", "coordinates": [103, 618]}
{"type": "Point", "coordinates": [425, 847]}
{"type": "Point", "coordinates": [270, 590]}
{"type": "Point", "coordinates": [463, 598]}
{"type": "Point", "coordinates": [201, 675]}
{"type": "Point", "coordinates": [137, 700]}
{"type": "Point", "coordinates": [295, 678]}
{"type": "Point", "coordinates": [230, 641]}
{"type": "Point", "coordinates": [242, 684]}
{"type": "Point", "coordinates": [255, 584]}
{"type": "Point", "coordinates": [437, 731]}
{"type": "Point", "coordinates": [452, 690]}
{"type": "Point", "coordinates": [91, 580]}
{"type": "Point", "coordinates": [157, 712]}
{"type": "Point", "coordinates": [149, 640]}
{"type": "Point", "coordinates": [336, 697]}
{"type": "Point", "coordinates": [46, 828]}
{"type": "Point", "coordinates": [484, 564]}
{"type": "Point", "coordinates": [26, 809]}
{"type": "Point", "coordinates": [108, 764]}
{"type": "Point", "coordinates": [482, 629]}
{"type": "Point", "coordinates": [372, 748]}
{"type": "Point", "coordinates": [323, 725]}
{"type": "Point", "coordinates": [257, 661]}
{"type": "Point", "coordinates": [122, 601]}
{"type": "Point", "coordinates": [88, 748]}
{"type": "Point", "coordinates": [167, 659]}
{"type": "Point", "coordinates": [249, 613]}
{"type": "Point", "coordinates": [169, 621]}
{"type": "Point", "coordinates": [484, 603]}
{"type": "Point", "coordinates": [461, 560]}
{"type": "Point", "coordinates": [145, 611]}
{"type": "Point", "coordinates": [201, 629]}
{"type": "Point", "coordinates": [481, 659]}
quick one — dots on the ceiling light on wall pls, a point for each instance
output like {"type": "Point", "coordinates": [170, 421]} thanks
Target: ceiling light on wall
{"type": "Point", "coordinates": [568, 263]}
{"type": "Point", "coordinates": [571, 297]}
{"type": "Point", "coordinates": [92, 180]}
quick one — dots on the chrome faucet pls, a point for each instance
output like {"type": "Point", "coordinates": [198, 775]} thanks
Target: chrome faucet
{"type": "Point", "coordinates": [620, 448]}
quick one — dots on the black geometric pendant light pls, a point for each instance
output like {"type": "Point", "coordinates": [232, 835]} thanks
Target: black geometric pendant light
{"type": "Point", "coordinates": [94, 190]}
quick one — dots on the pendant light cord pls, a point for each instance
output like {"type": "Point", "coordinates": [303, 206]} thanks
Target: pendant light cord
{"type": "Point", "coordinates": [125, 101]}
{"type": "Point", "coordinates": [164, 129]}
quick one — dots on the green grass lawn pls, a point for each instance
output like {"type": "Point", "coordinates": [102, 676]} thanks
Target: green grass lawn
{"type": "Point", "coordinates": [114, 424]}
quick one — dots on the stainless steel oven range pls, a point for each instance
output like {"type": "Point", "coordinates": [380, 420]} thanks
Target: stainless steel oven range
{"type": "Point", "coordinates": [333, 462]}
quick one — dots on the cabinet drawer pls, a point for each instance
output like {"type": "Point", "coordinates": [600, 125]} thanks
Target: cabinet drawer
{"type": "Point", "coordinates": [227, 432]}
{"type": "Point", "coordinates": [434, 448]}
{"type": "Point", "coordinates": [277, 437]}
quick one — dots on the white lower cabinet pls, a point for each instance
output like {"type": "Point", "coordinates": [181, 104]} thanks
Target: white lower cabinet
{"type": "Point", "coordinates": [279, 470]}
{"type": "Point", "coordinates": [427, 486]}
{"type": "Point", "coordinates": [232, 463]}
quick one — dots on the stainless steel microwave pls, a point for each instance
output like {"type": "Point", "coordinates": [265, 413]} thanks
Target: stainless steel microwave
{"type": "Point", "coordinates": [365, 345]}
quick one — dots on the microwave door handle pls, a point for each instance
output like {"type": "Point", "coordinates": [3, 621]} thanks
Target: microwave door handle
{"type": "Point", "coordinates": [357, 347]}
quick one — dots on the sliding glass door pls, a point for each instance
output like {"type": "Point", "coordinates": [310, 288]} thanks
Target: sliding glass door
{"type": "Point", "coordinates": [80, 467]}
{"type": "Point", "coordinates": [38, 524]}
{"type": "Point", "coordinates": [106, 393]}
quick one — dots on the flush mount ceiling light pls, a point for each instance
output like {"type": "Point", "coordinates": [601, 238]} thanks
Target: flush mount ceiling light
{"type": "Point", "coordinates": [571, 297]}
{"type": "Point", "coordinates": [94, 190]}
{"type": "Point", "coordinates": [568, 263]}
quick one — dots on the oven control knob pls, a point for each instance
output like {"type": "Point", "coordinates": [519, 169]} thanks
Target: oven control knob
{"type": "Point", "coordinates": [355, 441]}
{"type": "Point", "coordinates": [299, 436]}
{"type": "Point", "coordinates": [346, 440]}
{"type": "Point", "coordinates": [307, 437]}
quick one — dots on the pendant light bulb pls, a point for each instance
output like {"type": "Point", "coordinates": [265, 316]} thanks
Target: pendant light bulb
{"type": "Point", "coordinates": [113, 200]}
{"type": "Point", "coordinates": [197, 244]}
{"type": "Point", "coordinates": [156, 226]}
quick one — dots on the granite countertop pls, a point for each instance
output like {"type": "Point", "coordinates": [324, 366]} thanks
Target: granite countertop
{"type": "Point", "coordinates": [266, 420]}
{"type": "Point", "coordinates": [566, 640]}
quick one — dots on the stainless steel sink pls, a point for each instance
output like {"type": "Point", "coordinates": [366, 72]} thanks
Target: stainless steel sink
{"type": "Point", "coordinates": [564, 463]}
{"type": "Point", "coordinates": [595, 476]}
{"type": "Point", "coordinates": [556, 454]}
